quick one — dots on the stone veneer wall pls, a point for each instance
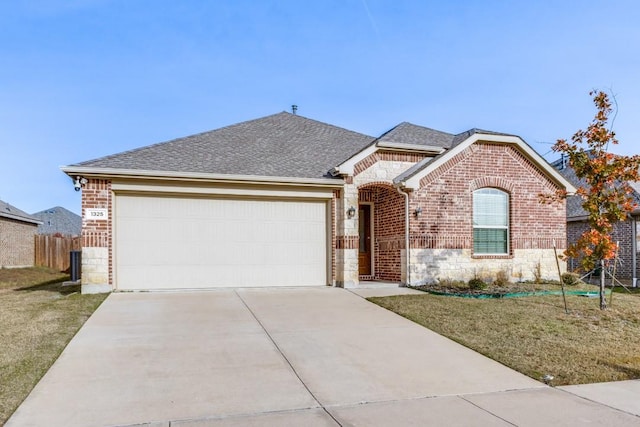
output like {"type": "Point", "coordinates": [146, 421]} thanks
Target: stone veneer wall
{"type": "Point", "coordinates": [431, 265]}
{"type": "Point", "coordinates": [97, 257]}
{"type": "Point", "coordinates": [346, 240]}
{"type": "Point", "coordinates": [17, 247]}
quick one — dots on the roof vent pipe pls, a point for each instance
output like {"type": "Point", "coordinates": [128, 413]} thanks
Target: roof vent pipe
{"type": "Point", "coordinates": [294, 109]}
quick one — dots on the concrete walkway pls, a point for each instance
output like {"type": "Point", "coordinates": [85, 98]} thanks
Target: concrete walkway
{"type": "Point", "coordinates": [284, 357]}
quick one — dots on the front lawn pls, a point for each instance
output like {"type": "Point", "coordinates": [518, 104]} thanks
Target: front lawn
{"type": "Point", "coordinates": [533, 335]}
{"type": "Point", "coordinates": [38, 317]}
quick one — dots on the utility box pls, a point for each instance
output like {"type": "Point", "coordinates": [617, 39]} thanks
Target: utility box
{"type": "Point", "coordinates": [76, 265]}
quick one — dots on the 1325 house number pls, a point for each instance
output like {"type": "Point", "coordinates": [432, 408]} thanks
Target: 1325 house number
{"type": "Point", "coordinates": [96, 214]}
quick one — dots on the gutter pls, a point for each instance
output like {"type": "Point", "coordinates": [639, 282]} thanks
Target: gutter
{"type": "Point", "coordinates": [199, 176]}
{"type": "Point", "coordinates": [406, 236]}
{"type": "Point", "coordinates": [21, 218]}
{"type": "Point", "coordinates": [429, 149]}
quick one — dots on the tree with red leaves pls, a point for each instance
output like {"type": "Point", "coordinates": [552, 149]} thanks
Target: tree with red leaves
{"type": "Point", "coordinates": [604, 189]}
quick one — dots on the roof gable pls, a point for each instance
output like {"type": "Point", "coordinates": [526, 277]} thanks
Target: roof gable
{"type": "Point", "coordinates": [403, 137]}
{"type": "Point", "coordinates": [59, 220]}
{"type": "Point", "coordinates": [280, 145]}
{"type": "Point", "coordinates": [410, 179]}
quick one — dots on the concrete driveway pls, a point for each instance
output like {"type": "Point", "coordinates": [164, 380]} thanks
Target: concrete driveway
{"type": "Point", "coordinates": [313, 357]}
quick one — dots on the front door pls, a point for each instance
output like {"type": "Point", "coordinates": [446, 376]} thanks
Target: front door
{"type": "Point", "coordinates": [365, 247]}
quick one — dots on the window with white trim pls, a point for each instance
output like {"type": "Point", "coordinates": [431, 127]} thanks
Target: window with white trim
{"type": "Point", "coordinates": [490, 222]}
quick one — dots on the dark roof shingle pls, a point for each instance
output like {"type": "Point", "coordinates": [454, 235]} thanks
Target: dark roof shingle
{"type": "Point", "coordinates": [408, 133]}
{"type": "Point", "coordinates": [59, 220]}
{"type": "Point", "coordinates": [575, 211]}
{"type": "Point", "coordinates": [10, 211]}
{"type": "Point", "coordinates": [282, 145]}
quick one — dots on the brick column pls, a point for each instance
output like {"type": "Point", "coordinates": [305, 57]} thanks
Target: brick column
{"type": "Point", "coordinates": [96, 237]}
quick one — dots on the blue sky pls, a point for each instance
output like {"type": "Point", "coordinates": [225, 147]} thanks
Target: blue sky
{"type": "Point", "coordinates": [80, 79]}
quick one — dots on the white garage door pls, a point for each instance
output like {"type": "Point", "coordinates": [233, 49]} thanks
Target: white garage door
{"type": "Point", "coordinates": [183, 243]}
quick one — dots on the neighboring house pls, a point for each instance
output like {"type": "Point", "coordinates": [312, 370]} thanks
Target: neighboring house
{"type": "Point", "coordinates": [58, 220]}
{"type": "Point", "coordinates": [288, 201]}
{"type": "Point", "coordinates": [17, 229]}
{"type": "Point", "coordinates": [626, 233]}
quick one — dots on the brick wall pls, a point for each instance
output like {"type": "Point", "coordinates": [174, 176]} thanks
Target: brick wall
{"type": "Point", "coordinates": [374, 180]}
{"type": "Point", "coordinates": [445, 223]}
{"type": "Point", "coordinates": [445, 198]}
{"type": "Point", "coordinates": [373, 183]}
{"type": "Point", "coordinates": [388, 230]}
{"type": "Point", "coordinates": [623, 233]}
{"type": "Point", "coordinates": [16, 243]}
{"type": "Point", "coordinates": [97, 254]}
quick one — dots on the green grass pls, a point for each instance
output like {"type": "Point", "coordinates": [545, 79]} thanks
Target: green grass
{"type": "Point", "coordinates": [39, 317]}
{"type": "Point", "coordinates": [533, 335]}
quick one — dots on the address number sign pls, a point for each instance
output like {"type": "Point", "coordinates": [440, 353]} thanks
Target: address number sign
{"type": "Point", "coordinates": [96, 214]}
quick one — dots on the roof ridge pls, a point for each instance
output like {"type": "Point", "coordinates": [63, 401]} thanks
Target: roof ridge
{"type": "Point", "coordinates": [410, 133]}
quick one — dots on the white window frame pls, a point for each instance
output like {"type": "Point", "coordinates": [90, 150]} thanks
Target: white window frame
{"type": "Point", "coordinates": [506, 227]}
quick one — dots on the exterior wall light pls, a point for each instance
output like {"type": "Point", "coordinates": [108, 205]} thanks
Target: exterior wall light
{"type": "Point", "coordinates": [351, 212]}
{"type": "Point", "coordinates": [80, 182]}
{"type": "Point", "coordinates": [417, 212]}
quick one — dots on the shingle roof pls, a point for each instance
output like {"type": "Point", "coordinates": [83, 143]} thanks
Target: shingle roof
{"type": "Point", "coordinates": [575, 210]}
{"type": "Point", "coordinates": [59, 220]}
{"type": "Point", "coordinates": [453, 141]}
{"type": "Point", "coordinates": [9, 211]}
{"type": "Point", "coordinates": [463, 136]}
{"type": "Point", "coordinates": [408, 133]}
{"type": "Point", "coordinates": [283, 145]}
{"type": "Point", "coordinates": [415, 169]}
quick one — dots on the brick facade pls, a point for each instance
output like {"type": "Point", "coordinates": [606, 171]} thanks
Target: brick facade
{"type": "Point", "coordinates": [373, 183]}
{"type": "Point", "coordinates": [388, 230]}
{"type": "Point", "coordinates": [97, 236]}
{"type": "Point", "coordinates": [441, 236]}
{"type": "Point", "coordinates": [625, 233]}
{"type": "Point", "coordinates": [445, 198]}
{"type": "Point", "coordinates": [16, 243]}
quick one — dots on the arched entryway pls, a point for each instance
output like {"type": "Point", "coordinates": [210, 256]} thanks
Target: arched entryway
{"type": "Point", "coordinates": [381, 232]}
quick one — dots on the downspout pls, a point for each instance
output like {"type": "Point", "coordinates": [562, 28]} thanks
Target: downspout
{"type": "Point", "coordinates": [407, 250]}
{"type": "Point", "coordinates": [634, 252]}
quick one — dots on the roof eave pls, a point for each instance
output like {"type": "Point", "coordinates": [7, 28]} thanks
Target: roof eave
{"type": "Point", "coordinates": [21, 218]}
{"type": "Point", "coordinates": [85, 171]}
{"type": "Point", "coordinates": [347, 167]}
{"type": "Point", "coordinates": [429, 149]}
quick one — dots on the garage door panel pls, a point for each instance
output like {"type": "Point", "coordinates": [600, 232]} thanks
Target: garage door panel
{"type": "Point", "coordinates": [173, 242]}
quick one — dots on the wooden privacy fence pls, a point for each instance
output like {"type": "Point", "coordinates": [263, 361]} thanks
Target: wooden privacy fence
{"type": "Point", "coordinates": [53, 251]}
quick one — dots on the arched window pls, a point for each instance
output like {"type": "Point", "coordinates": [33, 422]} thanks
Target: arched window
{"type": "Point", "coordinates": [490, 222]}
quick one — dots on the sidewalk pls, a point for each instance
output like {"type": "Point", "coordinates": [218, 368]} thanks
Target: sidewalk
{"type": "Point", "coordinates": [620, 395]}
